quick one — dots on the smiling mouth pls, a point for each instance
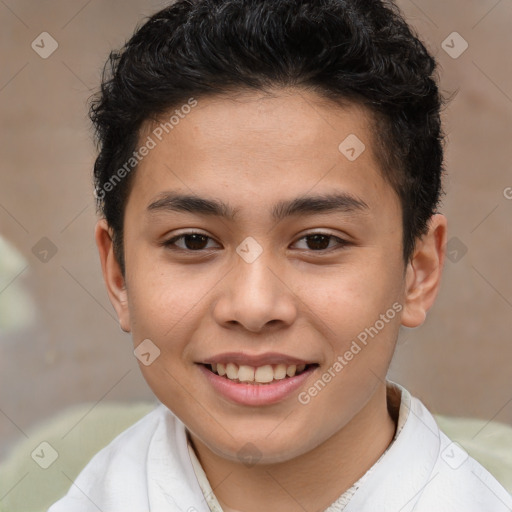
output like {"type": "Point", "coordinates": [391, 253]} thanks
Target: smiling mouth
{"type": "Point", "coordinates": [265, 374]}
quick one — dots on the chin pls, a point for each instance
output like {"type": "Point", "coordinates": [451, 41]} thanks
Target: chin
{"type": "Point", "coordinates": [256, 449]}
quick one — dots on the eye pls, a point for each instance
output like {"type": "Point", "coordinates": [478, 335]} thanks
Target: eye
{"type": "Point", "coordinates": [196, 242]}
{"type": "Point", "coordinates": [190, 242]}
{"type": "Point", "coordinates": [322, 241]}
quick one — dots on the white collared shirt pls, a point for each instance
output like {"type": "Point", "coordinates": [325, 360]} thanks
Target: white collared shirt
{"type": "Point", "coordinates": [150, 467]}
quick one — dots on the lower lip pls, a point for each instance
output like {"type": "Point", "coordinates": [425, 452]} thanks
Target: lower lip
{"type": "Point", "coordinates": [256, 394]}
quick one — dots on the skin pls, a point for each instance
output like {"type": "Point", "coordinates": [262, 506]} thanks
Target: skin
{"type": "Point", "coordinates": [252, 151]}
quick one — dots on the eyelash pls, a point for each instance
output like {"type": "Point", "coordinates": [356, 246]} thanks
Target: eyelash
{"type": "Point", "coordinates": [170, 243]}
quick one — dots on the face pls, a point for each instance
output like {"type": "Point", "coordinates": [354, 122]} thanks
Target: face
{"type": "Point", "coordinates": [254, 240]}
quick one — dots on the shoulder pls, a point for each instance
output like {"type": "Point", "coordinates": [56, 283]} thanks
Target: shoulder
{"type": "Point", "coordinates": [424, 471]}
{"type": "Point", "coordinates": [133, 443]}
{"type": "Point", "coordinates": [457, 481]}
{"type": "Point", "coordinates": [460, 482]}
{"type": "Point", "coordinates": [117, 473]}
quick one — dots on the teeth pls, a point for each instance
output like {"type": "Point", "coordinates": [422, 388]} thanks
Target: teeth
{"type": "Point", "coordinates": [232, 371]}
{"type": "Point", "coordinates": [264, 374]}
{"type": "Point", "coordinates": [246, 374]}
{"type": "Point", "coordinates": [291, 370]}
{"type": "Point", "coordinates": [261, 374]}
{"type": "Point", "coordinates": [280, 372]}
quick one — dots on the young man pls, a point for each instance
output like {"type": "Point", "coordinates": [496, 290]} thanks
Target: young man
{"type": "Point", "coordinates": [268, 177]}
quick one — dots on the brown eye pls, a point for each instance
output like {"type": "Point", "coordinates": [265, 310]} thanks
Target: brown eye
{"type": "Point", "coordinates": [321, 242]}
{"type": "Point", "coordinates": [189, 242]}
{"type": "Point", "coordinates": [195, 242]}
{"type": "Point", "coordinates": [318, 242]}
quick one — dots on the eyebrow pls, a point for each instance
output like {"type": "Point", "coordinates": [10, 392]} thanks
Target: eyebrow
{"type": "Point", "coordinates": [306, 205]}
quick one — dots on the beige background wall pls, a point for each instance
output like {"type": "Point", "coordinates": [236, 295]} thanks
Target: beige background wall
{"type": "Point", "coordinates": [60, 342]}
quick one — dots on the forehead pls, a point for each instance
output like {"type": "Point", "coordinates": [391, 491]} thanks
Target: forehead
{"type": "Point", "coordinates": [277, 145]}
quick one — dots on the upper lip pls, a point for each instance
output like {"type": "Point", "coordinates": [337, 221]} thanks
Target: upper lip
{"type": "Point", "coordinates": [256, 360]}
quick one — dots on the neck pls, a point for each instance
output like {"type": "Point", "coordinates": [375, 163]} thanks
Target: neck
{"type": "Point", "coordinates": [311, 482]}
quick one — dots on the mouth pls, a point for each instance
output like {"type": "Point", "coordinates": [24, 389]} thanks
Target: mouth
{"type": "Point", "coordinates": [258, 375]}
{"type": "Point", "coordinates": [257, 386]}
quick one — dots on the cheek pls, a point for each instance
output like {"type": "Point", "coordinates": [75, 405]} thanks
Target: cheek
{"type": "Point", "coordinates": [359, 311]}
{"type": "Point", "coordinates": [160, 298]}
{"type": "Point", "coordinates": [352, 299]}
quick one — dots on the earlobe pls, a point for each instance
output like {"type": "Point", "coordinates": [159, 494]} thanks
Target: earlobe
{"type": "Point", "coordinates": [112, 274]}
{"type": "Point", "coordinates": [423, 274]}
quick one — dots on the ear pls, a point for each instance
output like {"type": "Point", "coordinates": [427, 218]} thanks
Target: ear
{"type": "Point", "coordinates": [112, 274]}
{"type": "Point", "coordinates": [423, 273]}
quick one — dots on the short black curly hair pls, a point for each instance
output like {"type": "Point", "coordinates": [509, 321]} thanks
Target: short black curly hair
{"type": "Point", "coordinates": [345, 50]}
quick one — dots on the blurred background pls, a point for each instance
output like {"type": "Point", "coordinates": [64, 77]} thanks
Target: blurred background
{"type": "Point", "coordinates": [60, 342]}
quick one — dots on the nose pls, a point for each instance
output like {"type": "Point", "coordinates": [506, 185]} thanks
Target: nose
{"type": "Point", "coordinates": [256, 297]}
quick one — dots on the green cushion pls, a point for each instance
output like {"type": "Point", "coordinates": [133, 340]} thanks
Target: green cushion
{"type": "Point", "coordinates": [77, 433]}
{"type": "Point", "coordinates": [488, 442]}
